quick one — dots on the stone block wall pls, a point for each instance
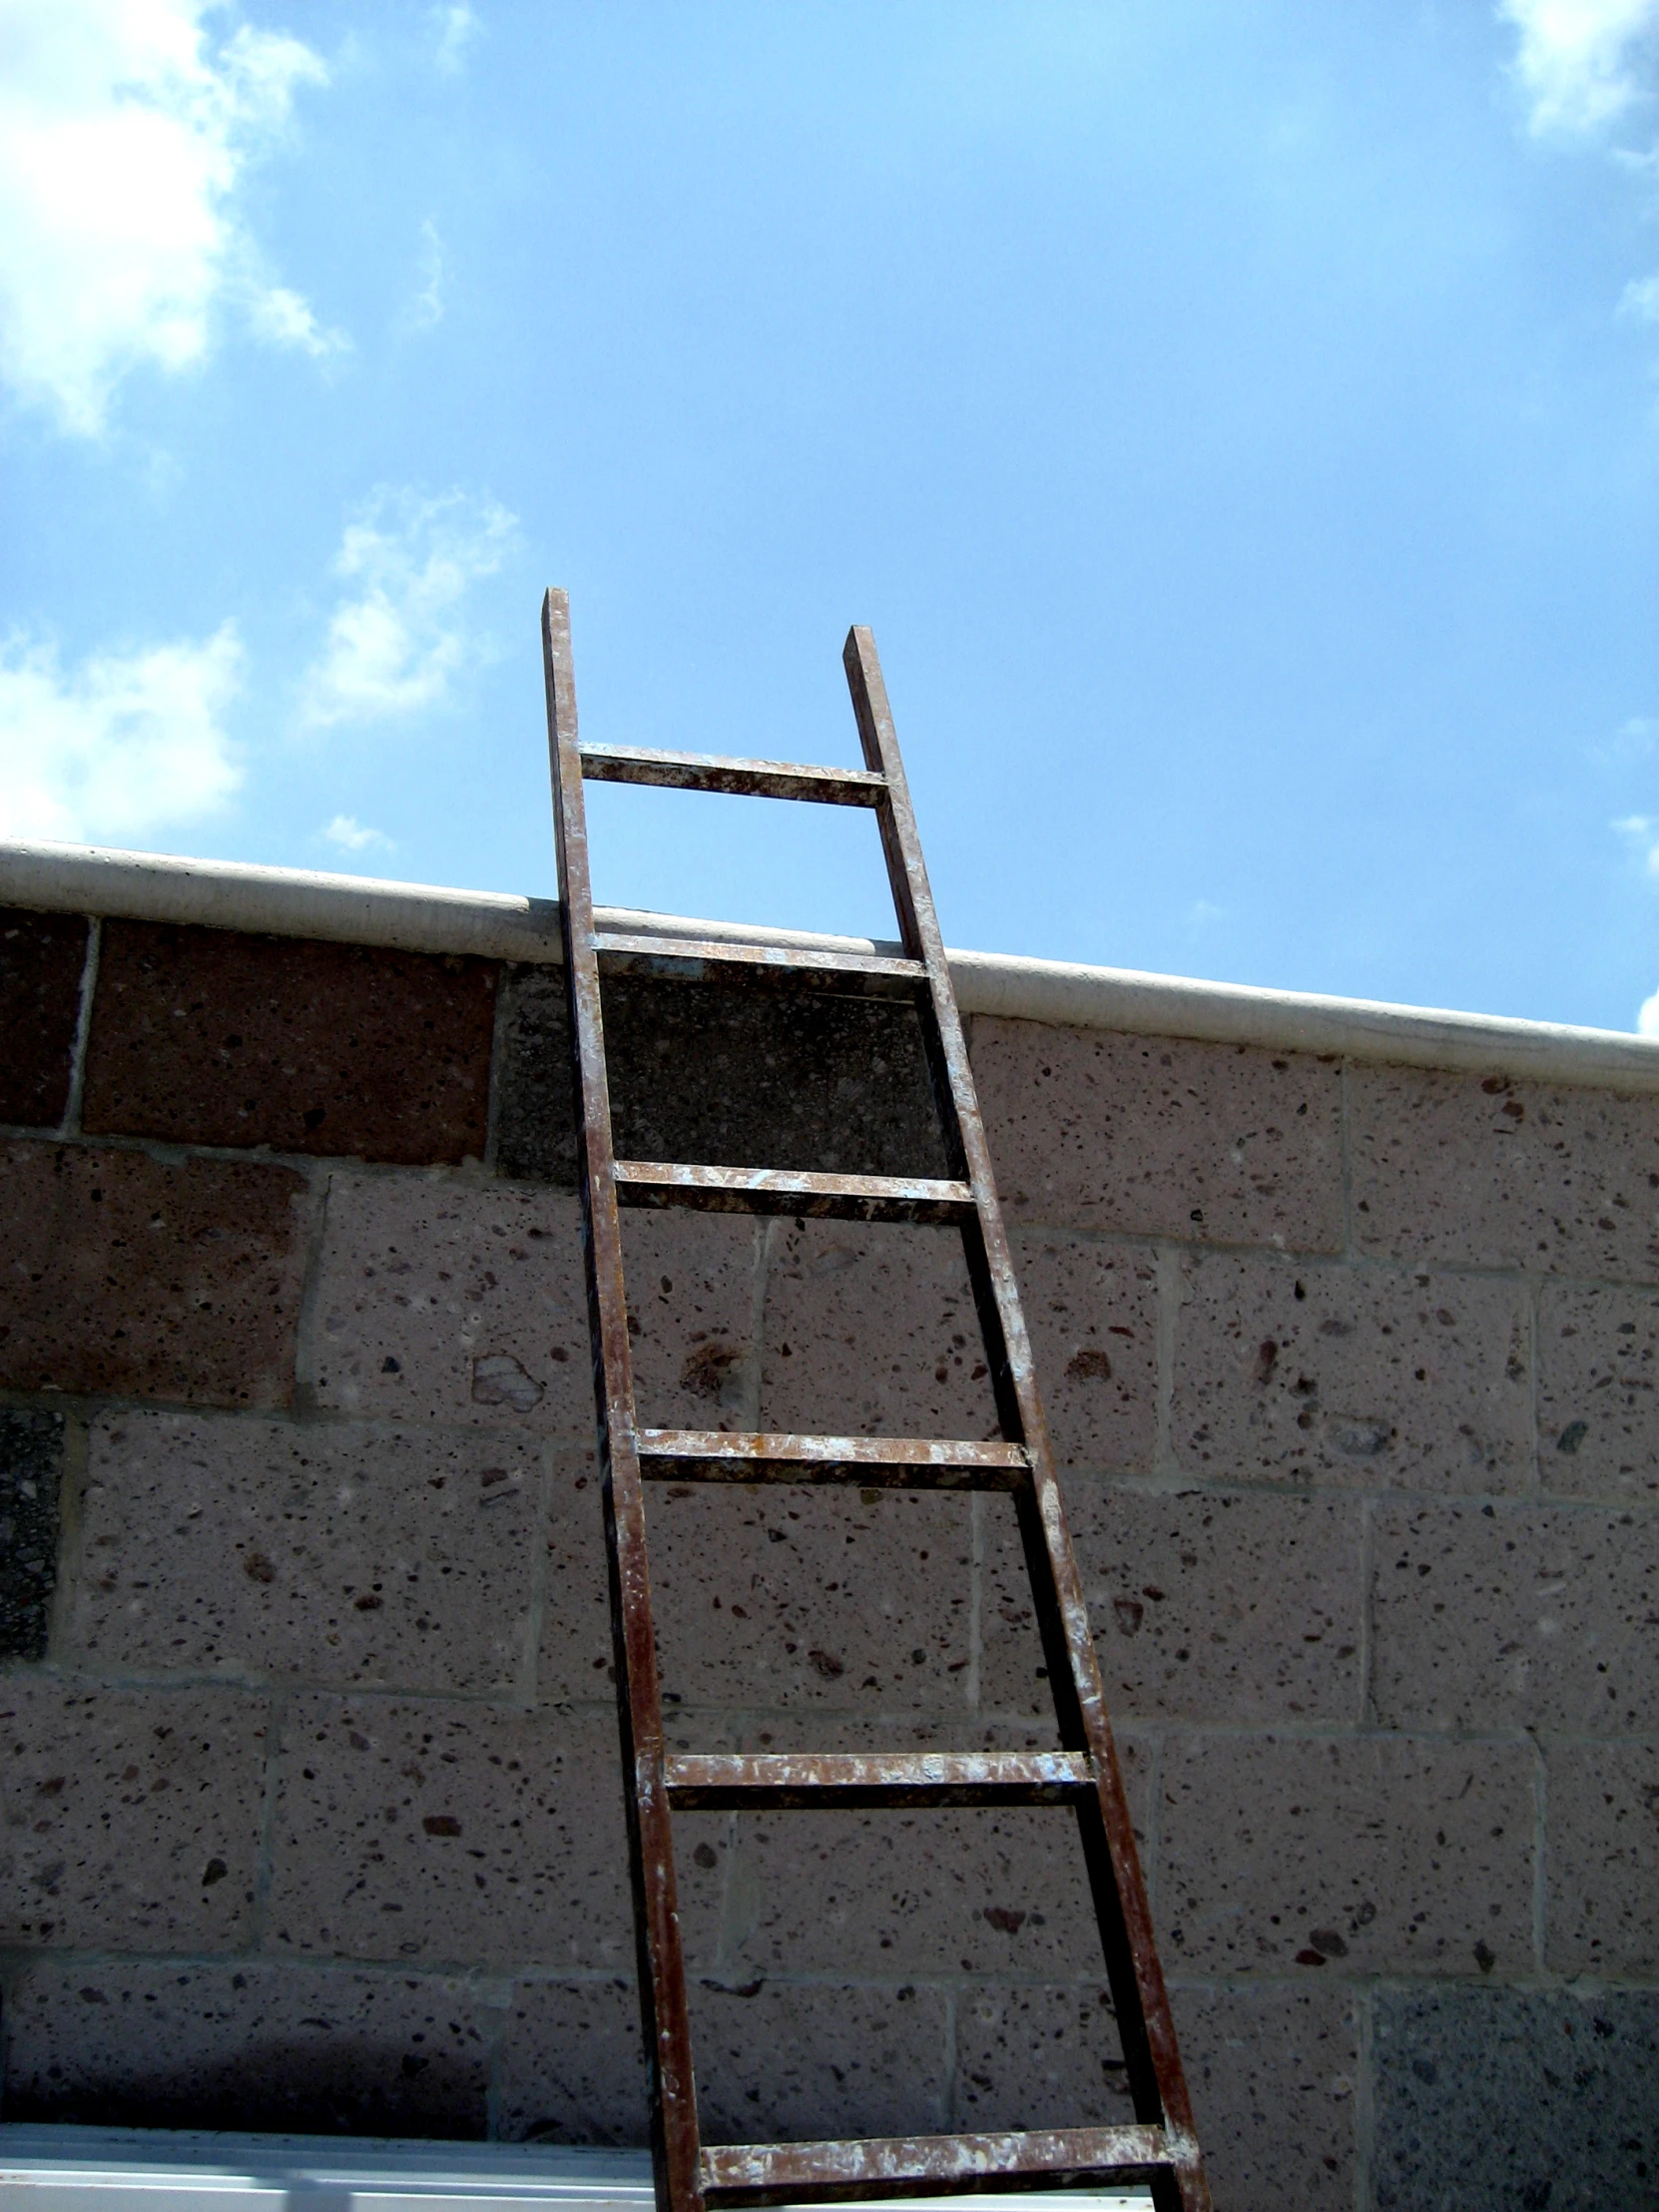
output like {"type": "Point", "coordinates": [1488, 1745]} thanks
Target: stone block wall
{"type": "Point", "coordinates": [311, 1803]}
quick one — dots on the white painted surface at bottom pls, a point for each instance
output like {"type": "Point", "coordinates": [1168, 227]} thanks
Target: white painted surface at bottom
{"type": "Point", "coordinates": [97, 2169]}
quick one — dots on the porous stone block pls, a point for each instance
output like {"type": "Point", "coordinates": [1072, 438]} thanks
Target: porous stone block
{"type": "Point", "coordinates": [1221, 1607]}
{"type": "Point", "coordinates": [325, 1550]}
{"type": "Point", "coordinates": [824, 1599]}
{"type": "Point", "coordinates": [240, 2046]}
{"type": "Point", "coordinates": [1272, 2073]}
{"type": "Point", "coordinates": [215, 1036]}
{"type": "Point", "coordinates": [870, 1330]}
{"type": "Point", "coordinates": [1490, 1171]}
{"type": "Point", "coordinates": [1515, 2101]}
{"type": "Point", "coordinates": [1344, 1855]}
{"type": "Point", "coordinates": [31, 1472]}
{"type": "Point", "coordinates": [571, 2069]}
{"type": "Point", "coordinates": [40, 959]}
{"type": "Point", "coordinates": [1516, 1616]}
{"type": "Point", "coordinates": [1601, 1912]}
{"type": "Point", "coordinates": [1356, 1376]}
{"type": "Point", "coordinates": [1039, 2055]}
{"type": "Point", "coordinates": [1598, 1419]}
{"type": "Point", "coordinates": [784, 2061]}
{"type": "Point", "coordinates": [454, 1832]}
{"type": "Point", "coordinates": [691, 1285]}
{"type": "Point", "coordinates": [575, 1664]}
{"type": "Point", "coordinates": [1092, 1313]}
{"type": "Point", "coordinates": [1214, 1143]}
{"type": "Point", "coordinates": [981, 1890]}
{"type": "Point", "coordinates": [128, 1276]}
{"type": "Point", "coordinates": [132, 1816]}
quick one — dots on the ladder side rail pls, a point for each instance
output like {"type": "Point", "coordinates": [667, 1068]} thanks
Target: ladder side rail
{"type": "Point", "coordinates": [665, 2021]}
{"type": "Point", "coordinates": [1153, 2062]}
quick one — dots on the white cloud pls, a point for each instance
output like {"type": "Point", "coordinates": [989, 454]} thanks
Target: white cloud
{"type": "Point", "coordinates": [425, 311]}
{"type": "Point", "coordinates": [456, 27]}
{"type": "Point", "coordinates": [351, 835]}
{"type": "Point", "coordinates": [123, 745]}
{"type": "Point", "coordinates": [1647, 1017]}
{"type": "Point", "coordinates": [1640, 299]}
{"type": "Point", "coordinates": [1578, 58]}
{"type": "Point", "coordinates": [123, 135]}
{"type": "Point", "coordinates": [396, 638]}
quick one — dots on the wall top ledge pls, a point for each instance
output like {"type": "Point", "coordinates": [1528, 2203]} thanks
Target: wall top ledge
{"type": "Point", "coordinates": [418, 917]}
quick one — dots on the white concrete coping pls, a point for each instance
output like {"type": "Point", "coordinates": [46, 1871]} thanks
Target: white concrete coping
{"type": "Point", "coordinates": [416, 917]}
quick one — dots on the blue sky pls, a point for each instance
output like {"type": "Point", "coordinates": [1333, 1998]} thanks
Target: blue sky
{"type": "Point", "coordinates": [1237, 421]}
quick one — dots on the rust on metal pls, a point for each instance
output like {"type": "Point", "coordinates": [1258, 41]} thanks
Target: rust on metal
{"type": "Point", "coordinates": [911, 1198]}
{"type": "Point", "coordinates": [783, 966]}
{"type": "Point", "coordinates": [869, 1462]}
{"type": "Point", "coordinates": [710, 771]}
{"type": "Point", "coordinates": [883, 2165]}
{"type": "Point", "coordinates": [736, 1781]}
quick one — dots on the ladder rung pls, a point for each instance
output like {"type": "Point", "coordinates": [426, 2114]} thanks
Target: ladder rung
{"type": "Point", "coordinates": [884, 2164]}
{"type": "Point", "coordinates": [726, 1782]}
{"type": "Point", "coordinates": [703, 961]}
{"type": "Point", "coordinates": [710, 771]}
{"type": "Point", "coordinates": [792, 1191]}
{"type": "Point", "coordinates": [871, 1463]}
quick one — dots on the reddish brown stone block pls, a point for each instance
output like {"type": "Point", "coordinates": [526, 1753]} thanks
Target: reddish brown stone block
{"type": "Point", "coordinates": [126, 1275]}
{"type": "Point", "coordinates": [1039, 2056]}
{"type": "Point", "coordinates": [1092, 1313]}
{"type": "Point", "coordinates": [41, 958]}
{"type": "Point", "coordinates": [210, 1036]}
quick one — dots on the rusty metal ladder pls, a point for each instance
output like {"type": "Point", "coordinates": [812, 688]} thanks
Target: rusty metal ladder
{"type": "Point", "coordinates": [1160, 2148]}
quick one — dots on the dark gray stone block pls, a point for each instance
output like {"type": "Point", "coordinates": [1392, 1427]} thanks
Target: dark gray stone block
{"type": "Point", "coordinates": [31, 1469]}
{"type": "Point", "coordinates": [725, 1077]}
{"type": "Point", "coordinates": [1512, 2100]}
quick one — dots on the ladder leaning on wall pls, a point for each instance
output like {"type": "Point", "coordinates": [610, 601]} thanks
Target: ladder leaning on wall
{"type": "Point", "coordinates": [1159, 2148]}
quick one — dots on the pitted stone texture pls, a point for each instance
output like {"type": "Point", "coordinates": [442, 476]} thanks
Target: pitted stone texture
{"type": "Point", "coordinates": [40, 959]}
{"type": "Point", "coordinates": [453, 1833]}
{"type": "Point", "coordinates": [1602, 1912]}
{"type": "Point", "coordinates": [813, 1599]}
{"type": "Point", "coordinates": [780, 2061]}
{"type": "Point", "coordinates": [690, 1281]}
{"type": "Point", "coordinates": [1272, 2072]}
{"type": "Point", "coordinates": [571, 2070]}
{"type": "Point", "coordinates": [132, 1816]}
{"type": "Point", "coordinates": [1039, 2056]}
{"type": "Point", "coordinates": [441, 1300]}
{"type": "Point", "coordinates": [244, 2045]}
{"type": "Point", "coordinates": [983, 1891]}
{"type": "Point", "coordinates": [1357, 1854]}
{"type": "Point", "coordinates": [1516, 2100]}
{"type": "Point", "coordinates": [1210, 1607]}
{"type": "Point", "coordinates": [1535, 1616]}
{"type": "Point", "coordinates": [1092, 1313]}
{"type": "Point", "coordinates": [1598, 1418]}
{"type": "Point", "coordinates": [125, 1276]}
{"type": "Point", "coordinates": [1487, 1172]}
{"type": "Point", "coordinates": [31, 1471]}
{"type": "Point", "coordinates": [329, 1551]}
{"type": "Point", "coordinates": [215, 1036]}
{"type": "Point", "coordinates": [1348, 1375]}
{"type": "Point", "coordinates": [576, 1664]}
{"type": "Point", "coordinates": [1217, 1143]}
{"type": "Point", "coordinates": [870, 1330]}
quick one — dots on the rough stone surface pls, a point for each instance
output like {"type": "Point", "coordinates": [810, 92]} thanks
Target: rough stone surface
{"type": "Point", "coordinates": [690, 1279]}
{"type": "Point", "coordinates": [208, 1037]}
{"type": "Point", "coordinates": [1272, 2072]}
{"type": "Point", "coordinates": [1231, 1608]}
{"type": "Point", "coordinates": [31, 1470]}
{"type": "Point", "coordinates": [727, 1077]}
{"type": "Point", "coordinates": [132, 1816]}
{"type": "Point", "coordinates": [1516, 2100]}
{"type": "Point", "coordinates": [328, 1552]}
{"type": "Point", "coordinates": [1601, 1912]}
{"type": "Point", "coordinates": [1039, 2055]}
{"type": "Point", "coordinates": [777, 2061]}
{"type": "Point", "coordinates": [1368, 1379]}
{"type": "Point", "coordinates": [240, 2046]}
{"type": "Point", "coordinates": [40, 959]}
{"type": "Point", "coordinates": [571, 2070]}
{"type": "Point", "coordinates": [126, 1275]}
{"type": "Point", "coordinates": [1212, 1143]}
{"type": "Point", "coordinates": [1598, 1424]}
{"type": "Point", "coordinates": [575, 1662]}
{"type": "Point", "coordinates": [1328, 1855]}
{"type": "Point", "coordinates": [1092, 1313]}
{"type": "Point", "coordinates": [1487, 1172]}
{"type": "Point", "coordinates": [1516, 1616]}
